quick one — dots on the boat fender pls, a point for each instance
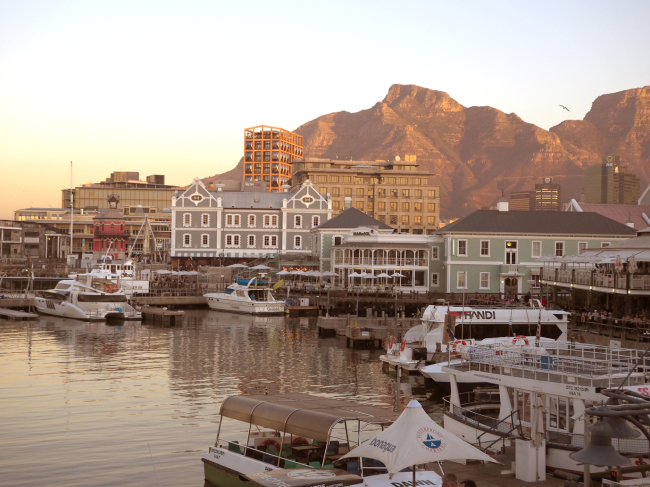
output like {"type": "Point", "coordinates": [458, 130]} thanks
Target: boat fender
{"type": "Point", "coordinates": [520, 337]}
{"type": "Point", "coordinates": [107, 289]}
{"type": "Point", "coordinates": [115, 289]}
{"type": "Point", "coordinates": [301, 440]}
{"type": "Point", "coordinates": [274, 443]}
{"type": "Point", "coordinates": [455, 345]}
{"type": "Point", "coordinates": [402, 346]}
{"type": "Point", "coordinates": [390, 343]}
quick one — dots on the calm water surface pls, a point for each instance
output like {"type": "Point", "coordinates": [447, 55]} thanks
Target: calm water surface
{"type": "Point", "coordinates": [133, 405]}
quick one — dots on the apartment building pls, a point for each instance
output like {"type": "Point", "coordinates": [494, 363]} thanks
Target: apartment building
{"type": "Point", "coordinates": [396, 193]}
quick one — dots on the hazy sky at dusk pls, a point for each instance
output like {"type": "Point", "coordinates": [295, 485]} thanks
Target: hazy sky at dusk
{"type": "Point", "coordinates": [167, 87]}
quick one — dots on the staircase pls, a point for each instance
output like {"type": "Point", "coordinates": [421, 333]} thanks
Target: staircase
{"type": "Point", "coordinates": [506, 465]}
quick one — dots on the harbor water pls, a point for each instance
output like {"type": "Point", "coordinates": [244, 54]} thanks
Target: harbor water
{"type": "Point", "coordinates": [135, 404]}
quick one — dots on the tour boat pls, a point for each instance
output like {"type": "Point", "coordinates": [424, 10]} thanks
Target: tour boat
{"type": "Point", "coordinates": [427, 342]}
{"type": "Point", "coordinates": [73, 299]}
{"type": "Point", "coordinates": [539, 390]}
{"type": "Point", "coordinates": [284, 439]}
{"type": "Point", "coordinates": [123, 275]}
{"type": "Point", "coordinates": [246, 296]}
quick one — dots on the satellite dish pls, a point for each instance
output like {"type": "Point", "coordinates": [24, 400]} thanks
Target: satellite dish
{"type": "Point", "coordinates": [547, 180]}
{"type": "Point", "coordinates": [396, 158]}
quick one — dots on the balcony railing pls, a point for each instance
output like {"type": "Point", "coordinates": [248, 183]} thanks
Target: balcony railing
{"type": "Point", "coordinates": [622, 281]}
{"type": "Point", "coordinates": [379, 261]}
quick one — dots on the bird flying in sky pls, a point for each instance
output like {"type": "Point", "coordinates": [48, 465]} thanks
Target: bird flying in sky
{"type": "Point", "coordinates": [565, 108]}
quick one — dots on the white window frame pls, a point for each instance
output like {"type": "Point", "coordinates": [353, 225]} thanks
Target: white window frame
{"type": "Point", "coordinates": [435, 253]}
{"type": "Point", "coordinates": [334, 237]}
{"type": "Point", "coordinates": [248, 241]}
{"type": "Point", "coordinates": [297, 242]}
{"type": "Point", "coordinates": [586, 246]}
{"type": "Point", "coordinates": [604, 245]}
{"type": "Point", "coordinates": [532, 249]}
{"type": "Point", "coordinates": [511, 251]}
{"type": "Point", "coordinates": [297, 221]}
{"type": "Point", "coordinates": [480, 282]}
{"type": "Point", "coordinates": [205, 237]}
{"type": "Point", "coordinates": [315, 221]}
{"type": "Point", "coordinates": [563, 248]}
{"type": "Point", "coordinates": [252, 221]}
{"type": "Point", "coordinates": [270, 245]}
{"type": "Point", "coordinates": [187, 240]}
{"type": "Point", "coordinates": [271, 219]}
{"type": "Point", "coordinates": [205, 216]}
{"type": "Point", "coordinates": [458, 247]}
{"type": "Point", "coordinates": [435, 279]}
{"type": "Point", "coordinates": [481, 254]}
{"type": "Point", "coordinates": [187, 219]}
{"type": "Point", "coordinates": [235, 220]}
{"type": "Point", "coordinates": [235, 241]}
{"type": "Point", "coordinates": [458, 282]}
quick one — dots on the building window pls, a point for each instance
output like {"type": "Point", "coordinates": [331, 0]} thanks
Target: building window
{"type": "Point", "coordinates": [297, 242]}
{"type": "Point", "coordinates": [559, 249]}
{"type": "Point", "coordinates": [485, 280]}
{"type": "Point", "coordinates": [393, 206]}
{"type": "Point", "coordinates": [405, 219]}
{"type": "Point", "coordinates": [334, 179]}
{"type": "Point", "coordinates": [434, 280]}
{"type": "Point", "coordinates": [381, 206]}
{"type": "Point", "coordinates": [485, 248]}
{"type": "Point", "coordinates": [323, 190]}
{"type": "Point", "coordinates": [434, 253]}
{"type": "Point", "coordinates": [462, 248]}
{"type": "Point", "coordinates": [360, 192]}
{"type": "Point", "coordinates": [431, 220]}
{"type": "Point", "coordinates": [321, 179]}
{"type": "Point", "coordinates": [431, 206]}
{"type": "Point", "coordinates": [394, 193]}
{"type": "Point", "coordinates": [270, 221]}
{"type": "Point", "coordinates": [251, 241]}
{"type": "Point", "coordinates": [205, 240]}
{"type": "Point", "coordinates": [417, 220]}
{"type": "Point", "coordinates": [346, 179]}
{"type": "Point", "coordinates": [431, 193]}
{"type": "Point", "coordinates": [461, 280]}
{"type": "Point", "coordinates": [251, 221]}
{"type": "Point", "coordinates": [381, 193]}
{"type": "Point", "coordinates": [336, 205]}
{"type": "Point", "coordinates": [604, 244]}
{"type": "Point", "coordinates": [405, 192]}
{"type": "Point", "coordinates": [347, 191]}
{"type": "Point", "coordinates": [336, 191]}
{"type": "Point", "coordinates": [187, 220]}
{"type": "Point", "coordinates": [232, 241]}
{"type": "Point", "coordinates": [393, 219]}
{"type": "Point", "coordinates": [511, 252]}
{"type": "Point", "coordinates": [205, 220]}
{"type": "Point", "coordinates": [536, 250]}
{"type": "Point", "coordinates": [417, 206]}
{"type": "Point", "coordinates": [418, 193]}
{"type": "Point", "coordinates": [187, 240]}
{"type": "Point", "coordinates": [270, 241]}
{"type": "Point", "coordinates": [405, 206]}
{"type": "Point", "coordinates": [582, 246]}
{"type": "Point", "coordinates": [382, 218]}
{"type": "Point", "coordinates": [315, 221]}
{"type": "Point", "coordinates": [233, 221]}
{"type": "Point", "coordinates": [297, 221]}
{"type": "Point", "coordinates": [358, 205]}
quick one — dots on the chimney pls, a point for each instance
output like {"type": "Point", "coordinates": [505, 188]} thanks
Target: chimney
{"type": "Point", "coordinates": [348, 203]}
{"type": "Point", "coordinates": [629, 221]}
{"type": "Point", "coordinates": [502, 204]}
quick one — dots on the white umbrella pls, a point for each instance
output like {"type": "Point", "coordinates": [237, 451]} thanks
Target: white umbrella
{"type": "Point", "coordinates": [316, 274]}
{"type": "Point", "coordinates": [397, 274]}
{"type": "Point", "coordinates": [537, 427]}
{"type": "Point", "coordinates": [383, 274]}
{"type": "Point", "coordinates": [354, 274]}
{"type": "Point", "coordinates": [261, 267]}
{"type": "Point", "coordinates": [298, 273]}
{"type": "Point", "coordinates": [414, 439]}
{"type": "Point", "coordinates": [282, 273]}
{"type": "Point", "coordinates": [330, 274]}
{"type": "Point", "coordinates": [163, 272]}
{"type": "Point", "coordinates": [369, 276]}
{"type": "Point", "coordinates": [238, 266]}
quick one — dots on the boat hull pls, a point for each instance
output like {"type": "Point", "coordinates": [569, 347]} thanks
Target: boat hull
{"type": "Point", "coordinates": [220, 303]}
{"type": "Point", "coordinates": [224, 468]}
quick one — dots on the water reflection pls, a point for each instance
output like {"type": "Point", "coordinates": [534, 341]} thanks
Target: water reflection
{"type": "Point", "coordinates": [97, 397]}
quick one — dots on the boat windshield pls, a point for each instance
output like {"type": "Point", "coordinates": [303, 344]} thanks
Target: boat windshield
{"type": "Point", "coordinates": [62, 286]}
{"type": "Point", "coordinates": [229, 290]}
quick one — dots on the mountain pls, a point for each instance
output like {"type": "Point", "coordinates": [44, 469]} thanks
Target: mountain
{"type": "Point", "coordinates": [234, 174]}
{"type": "Point", "coordinates": [477, 152]}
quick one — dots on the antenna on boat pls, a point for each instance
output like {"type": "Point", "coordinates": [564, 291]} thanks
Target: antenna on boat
{"type": "Point", "coordinates": [154, 464]}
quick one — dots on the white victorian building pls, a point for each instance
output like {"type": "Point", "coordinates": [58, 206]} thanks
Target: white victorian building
{"type": "Point", "coordinates": [210, 226]}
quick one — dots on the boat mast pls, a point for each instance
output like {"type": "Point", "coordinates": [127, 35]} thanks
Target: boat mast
{"type": "Point", "coordinates": [71, 209]}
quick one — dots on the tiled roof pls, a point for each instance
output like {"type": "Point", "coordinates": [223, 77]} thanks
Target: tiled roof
{"type": "Point", "coordinates": [537, 222]}
{"type": "Point", "coordinates": [239, 199]}
{"type": "Point", "coordinates": [620, 213]}
{"type": "Point", "coordinates": [353, 218]}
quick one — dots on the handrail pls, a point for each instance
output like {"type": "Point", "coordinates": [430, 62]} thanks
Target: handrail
{"type": "Point", "coordinates": [507, 435]}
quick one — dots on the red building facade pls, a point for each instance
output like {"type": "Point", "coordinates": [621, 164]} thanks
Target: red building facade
{"type": "Point", "coordinates": [110, 236]}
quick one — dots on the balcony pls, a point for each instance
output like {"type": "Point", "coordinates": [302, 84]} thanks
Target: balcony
{"type": "Point", "coordinates": [614, 281]}
{"type": "Point", "coordinates": [510, 270]}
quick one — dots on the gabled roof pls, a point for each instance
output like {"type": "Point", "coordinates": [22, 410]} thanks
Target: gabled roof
{"type": "Point", "coordinates": [538, 222]}
{"type": "Point", "coordinates": [353, 218]}
{"type": "Point", "coordinates": [619, 213]}
{"type": "Point", "coordinates": [258, 199]}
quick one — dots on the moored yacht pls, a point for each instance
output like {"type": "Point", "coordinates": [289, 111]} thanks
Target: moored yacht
{"type": "Point", "coordinates": [250, 296]}
{"type": "Point", "coordinates": [428, 342]}
{"type": "Point", "coordinates": [123, 275]}
{"type": "Point", "coordinates": [73, 299]}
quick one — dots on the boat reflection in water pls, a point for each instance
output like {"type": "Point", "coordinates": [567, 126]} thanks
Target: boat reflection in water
{"type": "Point", "coordinates": [94, 396]}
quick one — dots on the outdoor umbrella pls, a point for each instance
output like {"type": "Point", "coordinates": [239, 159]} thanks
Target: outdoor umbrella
{"type": "Point", "coordinates": [330, 274]}
{"type": "Point", "coordinates": [383, 275]}
{"type": "Point", "coordinates": [414, 439]}
{"type": "Point", "coordinates": [368, 275]}
{"type": "Point", "coordinates": [238, 266]}
{"type": "Point", "coordinates": [282, 273]}
{"type": "Point", "coordinates": [261, 267]}
{"type": "Point", "coordinates": [162, 272]}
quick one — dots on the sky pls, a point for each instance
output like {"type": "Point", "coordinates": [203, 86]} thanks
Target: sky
{"type": "Point", "coordinates": [167, 87]}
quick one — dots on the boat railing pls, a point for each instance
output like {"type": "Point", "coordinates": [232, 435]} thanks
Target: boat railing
{"type": "Point", "coordinates": [512, 422]}
{"type": "Point", "coordinates": [577, 441]}
{"type": "Point", "coordinates": [474, 418]}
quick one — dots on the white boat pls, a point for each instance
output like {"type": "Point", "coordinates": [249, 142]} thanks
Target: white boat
{"type": "Point", "coordinates": [303, 433]}
{"type": "Point", "coordinates": [123, 275]}
{"type": "Point", "coordinates": [557, 380]}
{"type": "Point", "coordinates": [246, 296]}
{"type": "Point", "coordinates": [73, 299]}
{"type": "Point", "coordinates": [428, 342]}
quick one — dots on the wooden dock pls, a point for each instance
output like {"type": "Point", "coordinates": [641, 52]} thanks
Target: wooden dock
{"type": "Point", "coordinates": [15, 315]}
{"type": "Point", "coordinates": [162, 316]}
{"type": "Point", "coordinates": [294, 311]}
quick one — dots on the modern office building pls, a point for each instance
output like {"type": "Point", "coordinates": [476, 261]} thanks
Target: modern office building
{"type": "Point", "coordinates": [547, 196]}
{"type": "Point", "coordinates": [522, 200]}
{"type": "Point", "coordinates": [396, 192]}
{"type": "Point", "coordinates": [610, 183]}
{"type": "Point", "coordinates": [268, 154]}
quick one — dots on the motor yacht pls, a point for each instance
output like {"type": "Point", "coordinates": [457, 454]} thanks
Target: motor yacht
{"type": "Point", "coordinates": [250, 296]}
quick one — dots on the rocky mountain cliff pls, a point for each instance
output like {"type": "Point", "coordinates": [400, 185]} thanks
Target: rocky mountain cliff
{"type": "Point", "coordinates": [479, 151]}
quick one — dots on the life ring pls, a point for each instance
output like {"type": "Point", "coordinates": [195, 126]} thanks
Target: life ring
{"type": "Point", "coordinates": [301, 440]}
{"type": "Point", "coordinates": [520, 337]}
{"type": "Point", "coordinates": [107, 288]}
{"type": "Point", "coordinates": [390, 343]}
{"type": "Point", "coordinates": [115, 289]}
{"type": "Point", "coordinates": [402, 346]}
{"type": "Point", "coordinates": [266, 443]}
{"type": "Point", "coordinates": [455, 345]}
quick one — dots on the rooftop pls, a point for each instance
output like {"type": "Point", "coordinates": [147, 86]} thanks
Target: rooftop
{"type": "Point", "coordinates": [353, 218]}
